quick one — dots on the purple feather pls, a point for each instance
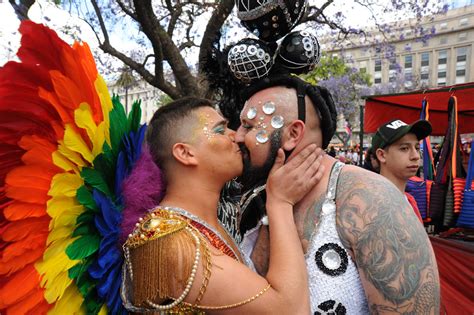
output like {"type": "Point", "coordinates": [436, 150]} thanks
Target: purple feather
{"type": "Point", "coordinates": [143, 189]}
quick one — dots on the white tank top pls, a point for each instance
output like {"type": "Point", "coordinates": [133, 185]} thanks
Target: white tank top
{"type": "Point", "coordinates": [334, 283]}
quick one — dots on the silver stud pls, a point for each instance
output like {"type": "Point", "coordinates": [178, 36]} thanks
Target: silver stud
{"type": "Point", "coordinates": [252, 113]}
{"type": "Point", "coordinates": [268, 108]}
{"type": "Point", "coordinates": [277, 121]}
{"type": "Point", "coordinates": [262, 136]}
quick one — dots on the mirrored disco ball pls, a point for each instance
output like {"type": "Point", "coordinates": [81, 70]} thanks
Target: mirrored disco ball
{"type": "Point", "coordinates": [270, 20]}
{"type": "Point", "coordinates": [299, 51]}
{"type": "Point", "coordinates": [250, 59]}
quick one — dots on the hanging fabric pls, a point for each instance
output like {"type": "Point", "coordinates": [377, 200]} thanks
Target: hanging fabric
{"type": "Point", "coordinates": [440, 184]}
{"type": "Point", "coordinates": [466, 217]}
{"type": "Point", "coordinates": [455, 179]}
{"type": "Point", "coordinates": [417, 187]}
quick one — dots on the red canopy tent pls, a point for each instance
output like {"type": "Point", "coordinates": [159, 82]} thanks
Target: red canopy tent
{"type": "Point", "coordinates": [380, 109]}
{"type": "Point", "coordinates": [454, 259]}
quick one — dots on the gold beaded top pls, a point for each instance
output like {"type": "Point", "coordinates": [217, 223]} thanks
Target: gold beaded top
{"type": "Point", "coordinates": [155, 224]}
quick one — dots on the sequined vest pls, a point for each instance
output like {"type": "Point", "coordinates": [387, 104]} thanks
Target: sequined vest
{"type": "Point", "coordinates": [334, 283]}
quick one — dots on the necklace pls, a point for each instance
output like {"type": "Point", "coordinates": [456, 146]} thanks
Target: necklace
{"type": "Point", "coordinates": [212, 235]}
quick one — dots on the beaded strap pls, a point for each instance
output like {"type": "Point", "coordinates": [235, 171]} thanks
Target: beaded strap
{"type": "Point", "coordinates": [223, 307]}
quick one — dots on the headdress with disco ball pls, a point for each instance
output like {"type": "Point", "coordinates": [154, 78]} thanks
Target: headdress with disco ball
{"type": "Point", "coordinates": [244, 64]}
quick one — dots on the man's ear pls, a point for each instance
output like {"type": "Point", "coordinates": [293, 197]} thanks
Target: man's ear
{"type": "Point", "coordinates": [380, 154]}
{"type": "Point", "coordinates": [293, 135]}
{"type": "Point", "coordinates": [184, 154]}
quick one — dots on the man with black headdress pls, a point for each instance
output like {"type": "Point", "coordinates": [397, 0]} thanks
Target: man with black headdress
{"type": "Point", "coordinates": [365, 249]}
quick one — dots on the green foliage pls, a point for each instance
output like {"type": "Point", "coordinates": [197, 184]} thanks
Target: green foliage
{"type": "Point", "coordinates": [335, 67]}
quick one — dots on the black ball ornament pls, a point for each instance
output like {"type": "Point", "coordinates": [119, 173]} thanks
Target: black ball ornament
{"type": "Point", "coordinates": [270, 20]}
{"type": "Point", "coordinates": [250, 59]}
{"type": "Point", "coordinates": [299, 51]}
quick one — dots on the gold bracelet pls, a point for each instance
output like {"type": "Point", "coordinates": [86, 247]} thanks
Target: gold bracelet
{"type": "Point", "coordinates": [208, 307]}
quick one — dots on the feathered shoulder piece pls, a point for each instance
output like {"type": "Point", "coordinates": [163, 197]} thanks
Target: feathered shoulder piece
{"type": "Point", "coordinates": [65, 148]}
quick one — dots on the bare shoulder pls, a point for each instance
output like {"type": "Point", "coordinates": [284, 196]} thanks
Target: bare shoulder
{"type": "Point", "coordinates": [390, 246]}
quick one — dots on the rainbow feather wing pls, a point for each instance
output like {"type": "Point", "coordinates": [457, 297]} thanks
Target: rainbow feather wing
{"type": "Point", "coordinates": [65, 147]}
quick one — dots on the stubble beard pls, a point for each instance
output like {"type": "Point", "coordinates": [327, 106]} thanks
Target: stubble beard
{"type": "Point", "coordinates": [253, 175]}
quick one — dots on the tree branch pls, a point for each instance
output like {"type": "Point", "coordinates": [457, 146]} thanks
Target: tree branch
{"type": "Point", "coordinates": [216, 21]}
{"type": "Point", "coordinates": [21, 10]}
{"type": "Point", "coordinates": [127, 11]}
{"type": "Point", "coordinates": [160, 39]}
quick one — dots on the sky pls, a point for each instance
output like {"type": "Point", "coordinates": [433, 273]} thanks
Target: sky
{"type": "Point", "coordinates": [9, 38]}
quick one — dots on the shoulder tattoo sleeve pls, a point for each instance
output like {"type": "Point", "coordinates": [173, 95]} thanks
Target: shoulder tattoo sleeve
{"type": "Point", "coordinates": [392, 251]}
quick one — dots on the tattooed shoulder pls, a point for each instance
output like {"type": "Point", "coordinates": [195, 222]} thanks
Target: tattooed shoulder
{"type": "Point", "coordinates": [391, 249]}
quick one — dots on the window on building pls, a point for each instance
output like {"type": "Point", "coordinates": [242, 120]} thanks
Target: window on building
{"type": "Point", "coordinates": [377, 80]}
{"type": "Point", "coordinates": [442, 74]}
{"type": "Point", "coordinates": [443, 40]}
{"type": "Point", "coordinates": [425, 59]}
{"type": "Point", "coordinates": [408, 61]}
{"type": "Point", "coordinates": [461, 64]}
{"type": "Point", "coordinates": [378, 65]}
{"type": "Point", "coordinates": [463, 21]}
{"type": "Point", "coordinates": [443, 25]}
{"type": "Point", "coordinates": [425, 76]}
{"type": "Point", "coordinates": [442, 57]}
{"type": "Point", "coordinates": [462, 36]}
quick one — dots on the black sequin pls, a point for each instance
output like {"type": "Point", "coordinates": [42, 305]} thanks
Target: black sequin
{"type": "Point", "coordinates": [342, 254]}
{"type": "Point", "coordinates": [330, 307]}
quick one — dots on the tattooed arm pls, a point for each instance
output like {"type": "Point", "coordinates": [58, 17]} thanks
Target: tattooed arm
{"type": "Point", "coordinates": [392, 251]}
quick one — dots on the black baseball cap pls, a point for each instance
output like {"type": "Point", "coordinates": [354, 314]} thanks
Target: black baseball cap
{"type": "Point", "coordinates": [393, 130]}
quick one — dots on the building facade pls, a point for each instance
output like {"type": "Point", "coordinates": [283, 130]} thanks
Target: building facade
{"type": "Point", "coordinates": [140, 90]}
{"type": "Point", "coordinates": [442, 56]}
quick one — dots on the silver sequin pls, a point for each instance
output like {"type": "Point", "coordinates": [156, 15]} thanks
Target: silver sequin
{"type": "Point", "coordinates": [252, 113]}
{"type": "Point", "coordinates": [331, 259]}
{"type": "Point", "coordinates": [262, 136]}
{"type": "Point", "coordinates": [277, 122]}
{"type": "Point", "coordinates": [268, 108]}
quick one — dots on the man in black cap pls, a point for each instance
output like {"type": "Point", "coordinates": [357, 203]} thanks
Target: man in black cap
{"type": "Point", "coordinates": [365, 250]}
{"type": "Point", "coordinates": [397, 148]}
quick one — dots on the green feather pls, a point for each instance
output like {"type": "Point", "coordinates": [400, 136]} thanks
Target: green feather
{"type": "Point", "coordinates": [118, 125]}
{"type": "Point", "coordinates": [83, 247]}
{"type": "Point", "coordinates": [135, 116]}
{"type": "Point", "coordinates": [86, 217]}
{"type": "Point", "coordinates": [84, 229]}
{"type": "Point", "coordinates": [84, 196]}
{"type": "Point", "coordinates": [92, 301]}
{"type": "Point", "coordinates": [95, 178]}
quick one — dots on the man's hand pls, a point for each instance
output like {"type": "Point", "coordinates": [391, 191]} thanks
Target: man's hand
{"type": "Point", "coordinates": [292, 181]}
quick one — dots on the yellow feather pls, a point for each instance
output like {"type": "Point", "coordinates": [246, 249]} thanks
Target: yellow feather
{"type": "Point", "coordinates": [70, 303]}
{"type": "Point", "coordinates": [61, 161]}
{"type": "Point", "coordinates": [99, 139]}
{"type": "Point", "coordinates": [60, 233]}
{"type": "Point", "coordinates": [105, 103]}
{"type": "Point", "coordinates": [65, 184]}
{"type": "Point", "coordinates": [72, 156]}
{"type": "Point", "coordinates": [83, 118]}
{"type": "Point", "coordinates": [74, 142]}
{"type": "Point", "coordinates": [55, 289]}
{"type": "Point", "coordinates": [55, 261]}
{"type": "Point", "coordinates": [103, 310]}
{"type": "Point", "coordinates": [63, 211]}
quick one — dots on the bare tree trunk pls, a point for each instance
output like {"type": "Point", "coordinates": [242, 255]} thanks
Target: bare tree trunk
{"type": "Point", "coordinates": [21, 8]}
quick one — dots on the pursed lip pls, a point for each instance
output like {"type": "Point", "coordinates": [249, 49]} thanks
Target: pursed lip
{"type": "Point", "coordinates": [413, 167]}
